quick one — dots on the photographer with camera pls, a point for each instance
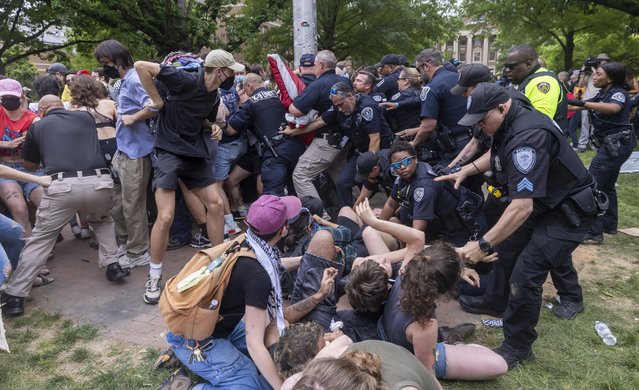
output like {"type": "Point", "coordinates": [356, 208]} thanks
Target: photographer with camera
{"type": "Point", "coordinates": [588, 91]}
{"type": "Point", "coordinates": [613, 137]}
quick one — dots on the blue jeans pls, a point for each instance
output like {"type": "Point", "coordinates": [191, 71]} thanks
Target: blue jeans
{"type": "Point", "coordinates": [227, 156]}
{"type": "Point", "coordinates": [227, 364]}
{"type": "Point", "coordinates": [27, 186]}
{"type": "Point", "coordinates": [573, 123]}
{"type": "Point", "coordinates": [11, 240]}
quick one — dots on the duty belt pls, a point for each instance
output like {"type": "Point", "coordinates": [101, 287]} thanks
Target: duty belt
{"type": "Point", "coordinates": [92, 172]}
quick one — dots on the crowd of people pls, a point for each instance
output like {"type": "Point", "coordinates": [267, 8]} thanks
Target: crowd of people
{"type": "Point", "coordinates": [482, 197]}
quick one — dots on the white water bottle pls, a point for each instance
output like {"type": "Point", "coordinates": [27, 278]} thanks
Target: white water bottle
{"type": "Point", "coordinates": [604, 332]}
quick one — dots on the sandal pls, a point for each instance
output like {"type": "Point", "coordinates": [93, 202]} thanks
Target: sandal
{"type": "Point", "coordinates": [41, 280]}
{"type": "Point", "coordinates": [44, 271]}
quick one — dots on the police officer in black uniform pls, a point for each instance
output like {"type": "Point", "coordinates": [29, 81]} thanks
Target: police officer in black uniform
{"type": "Point", "coordinates": [613, 137]}
{"type": "Point", "coordinates": [404, 108]}
{"type": "Point", "coordinates": [362, 124]}
{"type": "Point", "coordinates": [373, 173]}
{"type": "Point", "coordinates": [435, 208]}
{"type": "Point", "coordinates": [439, 133]}
{"type": "Point", "coordinates": [389, 68]}
{"type": "Point", "coordinates": [364, 83]}
{"type": "Point", "coordinates": [553, 203]}
{"type": "Point", "coordinates": [264, 115]}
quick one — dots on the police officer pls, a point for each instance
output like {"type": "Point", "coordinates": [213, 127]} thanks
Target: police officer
{"type": "Point", "coordinates": [264, 115]}
{"type": "Point", "coordinates": [438, 133]}
{"type": "Point", "coordinates": [389, 68]}
{"type": "Point", "coordinates": [373, 172]}
{"type": "Point", "coordinates": [552, 205]}
{"type": "Point", "coordinates": [427, 205]}
{"type": "Point", "coordinates": [403, 109]}
{"type": "Point", "coordinates": [364, 82]}
{"type": "Point", "coordinates": [79, 181]}
{"type": "Point", "coordinates": [307, 68]}
{"type": "Point", "coordinates": [614, 138]}
{"type": "Point", "coordinates": [320, 154]}
{"type": "Point", "coordinates": [541, 86]}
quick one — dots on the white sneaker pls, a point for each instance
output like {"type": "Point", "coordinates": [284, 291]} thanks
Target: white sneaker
{"type": "Point", "coordinates": [128, 262]}
{"type": "Point", "coordinates": [153, 290]}
{"type": "Point", "coordinates": [76, 231]}
{"type": "Point", "coordinates": [86, 233]}
{"type": "Point", "coordinates": [121, 250]}
{"type": "Point", "coordinates": [232, 230]}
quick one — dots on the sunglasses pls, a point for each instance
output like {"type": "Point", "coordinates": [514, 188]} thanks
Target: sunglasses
{"type": "Point", "coordinates": [406, 161]}
{"type": "Point", "coordinates": [511, 65]}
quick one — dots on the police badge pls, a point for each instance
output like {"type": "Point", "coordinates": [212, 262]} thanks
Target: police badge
{"type": "Point", "coordinates": [543, 87]}
{"type": "Point", "coordinates": [524, 159]}
{"type": "Point", "coordinates": [418, 195]}
{"type": "Point", "coordinates": [367, 114]}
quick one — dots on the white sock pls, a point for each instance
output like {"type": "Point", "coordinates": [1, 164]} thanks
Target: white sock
{"type": "Point", "coordinates": [156, 270]}
{"type": "Point", "coordinates": [228, 219]}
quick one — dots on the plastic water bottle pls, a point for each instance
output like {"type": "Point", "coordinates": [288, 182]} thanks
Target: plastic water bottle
{"type": "Point", "coordinates": [604, 332]}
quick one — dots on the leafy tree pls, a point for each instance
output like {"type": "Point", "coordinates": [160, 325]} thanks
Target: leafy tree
{"type": "Point", "coordinates": [543, 22]}
{"type": "Point", "coordinates": [23, 25]}
{"type": "Point", "coordinates": [23, 71]}
{"type": "Point", "coordinates": [628, 6]}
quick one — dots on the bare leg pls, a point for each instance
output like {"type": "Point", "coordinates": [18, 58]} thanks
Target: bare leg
{"type": "Point", "coordinates": [194, 204]}
{"type": "Point", "coordinates": [374, 241]}
{"type": "Point", "coordinates": [259, 185]}
{"type": "Point", "coordinates": [14, 200]}
{"type": "Point", "coordinates": [210, 196]}
{"type": "Point", "coordinates": [322, 245]}
{"type": "Point", "coordinates": [349, 213]}
{"type": "Point", "coordinates": [232, 186]}
{"type": "Point", "coordinates": [473, 362]}
{"type": "Point", "coordinates": [165, 199]}
{"type": "Point", "coordinates": [35, 196]}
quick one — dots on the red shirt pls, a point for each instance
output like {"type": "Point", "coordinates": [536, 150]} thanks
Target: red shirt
{"type": "Point", "coordinates": [14, 129]}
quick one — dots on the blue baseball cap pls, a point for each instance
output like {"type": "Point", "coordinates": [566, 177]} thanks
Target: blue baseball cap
{"type": "Point", "coordinates": [307, 60]}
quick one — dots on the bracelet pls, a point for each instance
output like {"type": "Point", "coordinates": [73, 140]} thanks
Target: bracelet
{"type": "Point", "coordinates": [397, 106]}
{"type": "Point", "coordinates": [478, 171]}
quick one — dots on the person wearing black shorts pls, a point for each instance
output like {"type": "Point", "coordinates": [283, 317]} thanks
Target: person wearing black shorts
{"type": "Point", "coordinates": [180, 152]}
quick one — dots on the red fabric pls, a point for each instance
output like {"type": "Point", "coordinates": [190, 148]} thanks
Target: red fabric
{"type": "Point", "coordinates": [14, 129]}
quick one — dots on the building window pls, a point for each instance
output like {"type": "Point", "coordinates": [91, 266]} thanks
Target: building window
{"type": "Point", "coordinates": [477, 56]}
{"type": "Point", "coordinates": [478, 42]}
{"type": "Point", "coordinates": [492, 55]}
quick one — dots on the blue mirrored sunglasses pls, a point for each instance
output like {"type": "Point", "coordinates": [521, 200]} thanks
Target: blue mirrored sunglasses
{"type": "Point", "coordinates": [406, 161]}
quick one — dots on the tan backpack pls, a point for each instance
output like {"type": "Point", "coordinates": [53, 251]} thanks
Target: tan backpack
{"type": "Point", "coordinates": [195, 311]}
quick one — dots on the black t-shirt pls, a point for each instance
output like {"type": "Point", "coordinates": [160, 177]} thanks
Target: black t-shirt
{"type": "Point", "coordinates": [189, 103]}
{"type": "Point", "coordinates": [57, 140]}
{"type": "Point", "coordinates": [249, 285]}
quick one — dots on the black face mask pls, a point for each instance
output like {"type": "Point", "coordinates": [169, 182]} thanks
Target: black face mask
{"type": "Point", "coordinates": [228, 83]}
{"type": "Point", "coordinates": [111, 71]}
{"type": "Point", "coordinates": [12, 103]}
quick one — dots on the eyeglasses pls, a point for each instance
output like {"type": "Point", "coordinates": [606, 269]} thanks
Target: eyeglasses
{"type": "Point", "coordinates": [511, 65]}
{"type": "Point", "coordinates": [406, 161]}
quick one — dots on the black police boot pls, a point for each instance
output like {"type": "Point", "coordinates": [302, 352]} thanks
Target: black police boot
{"type": "Point", "coordinates": [11, 305]}
{"type": "Point", "coordinates": [115, 273]}
{"type": "Point", "coordinates": [514, 357]}
{"type": "Point", "coordinates": [476, 305]}
{"type": "Point", "coordinates": [567, 310]}
{"type": "Point", "coordinates": [457, 334]}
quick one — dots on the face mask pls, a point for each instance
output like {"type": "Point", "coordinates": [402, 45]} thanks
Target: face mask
{"type": "Point", "coordinates": [111, 71]}
{"type": "Point", "coordinates": [228, 83]}
{"type": "Point", "coordinates": [11, 104]}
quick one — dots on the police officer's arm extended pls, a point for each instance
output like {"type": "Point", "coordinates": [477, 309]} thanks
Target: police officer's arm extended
{"type": "Point", "coordinates": [604, 108]}
{"type": "Point", "coordinates": [482, 164]}
{"type": "Point", "coordinates": [425, 129]}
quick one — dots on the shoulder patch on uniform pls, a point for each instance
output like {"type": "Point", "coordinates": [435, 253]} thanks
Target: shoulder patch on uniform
{"type": "Point", "coordinates": [524, 185]}
{"type": "Point", "coordinates": [395, 96]}
{"type": "Point", "coordinates": [543, 87]}
{"type": "Point", "coordinates": [424, 94]}
{"type": "Point", "coordinates": [418, 194]}
{"type": "Point", "coordinates": [367, 114]}
{"type": "Point", "coordinates": [331, 108]}
{"type": "Point", "coordinates": [524, 159]}
{"type": "Point", "coordinates": [379, 84]}
{"type": "Point", "coordinates": [377, 98]}
{"type": "Point", "coordinates": [618, 96]}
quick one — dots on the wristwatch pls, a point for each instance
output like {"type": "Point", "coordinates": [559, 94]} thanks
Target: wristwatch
{"type": "Point", "coordinates": [485, 246]}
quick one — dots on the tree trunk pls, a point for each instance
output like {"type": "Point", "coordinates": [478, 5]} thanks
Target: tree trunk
{"type": "Point", "coordinates": [569, 50]}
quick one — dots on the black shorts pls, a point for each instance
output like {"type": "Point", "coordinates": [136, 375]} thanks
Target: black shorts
{"type": "Point", "coordinates": [195, 172]}
{"type": "Point", "coordinates": [251, 161]}
{"type": "Point", "coordinates": [349, 223]}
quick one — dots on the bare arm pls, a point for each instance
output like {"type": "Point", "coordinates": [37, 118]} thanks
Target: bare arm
{"type": "Point", "coordinates": [290, 263]}
{"type": "Point", "coordinates": [480, 165]}
{"type": "Point", "coordinates": [373, 142]}
{"type": "Point", "coordinates": [147, 71]}
{"type": "Point", "coordinates": [255, 325]}
{"type": "Point", "coordinates": [390, 207]}
{"type": "Point", "coordinates": [296, 311]}
{"type": "Point", "coordinates": [425, 129]}
{"type": "Point", "coordinates": [294, 111]}
{"type": "Point", "coordinates": [10, 173]}
{"type": "Point", "coordinates": [423, 337]}
{"type": "Point", "coordinates": [363, 194]}
{"type": "Point", "coordinates": [467, 153]}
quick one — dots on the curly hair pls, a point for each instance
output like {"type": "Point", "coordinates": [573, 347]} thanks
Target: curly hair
{"type": "Point", "coordinates": [367, 287]}
{"type": "Point", "coordinates": [342, 373]}
{"type": "Point", "coordinates": [402, 146]}
{"type": "Point", "coordinates": [47, 84]}
{"type": "Point", "coordinates": [297, 346]}
{"type": "Point", "coordinates": [85, 91]}
{"type": "Point", "coordinates": [432, 272]}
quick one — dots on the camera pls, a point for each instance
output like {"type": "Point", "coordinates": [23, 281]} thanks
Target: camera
{"type": "Point", "coordinates": [591, 62]}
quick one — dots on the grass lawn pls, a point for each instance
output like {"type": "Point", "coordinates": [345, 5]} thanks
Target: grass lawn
{"type": "Point", "coordinates": [50, 352]}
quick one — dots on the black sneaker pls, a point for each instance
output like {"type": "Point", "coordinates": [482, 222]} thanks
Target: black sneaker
{"type": "Point", "coordinates": [593, 239]}
{"type": "Point", "coordinates": [115, 272]}
{"type": "Point", "coordinates": [457, 334]}
{"type": "Point", "coordinates": [476, 305]}
{"type": "Point", "coordinates": [610, 231]}
{"type": "Point", "coordinates": [514, 357]}
{"type": "Point", "coordinates": [11, 305]}
{"type": "Point", "coordinates": [179, 380]}
{"type": "Point", "coordinates": [176, 243]}
{"type": "Point", "coordinates": [567, 310]}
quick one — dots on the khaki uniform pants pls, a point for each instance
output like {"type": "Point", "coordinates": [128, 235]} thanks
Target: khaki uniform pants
{"type": "Point", "coordinates": [318, 157]}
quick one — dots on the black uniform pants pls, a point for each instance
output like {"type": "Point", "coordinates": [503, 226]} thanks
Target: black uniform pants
{"type": "Point", "coordinates": [549, 246]}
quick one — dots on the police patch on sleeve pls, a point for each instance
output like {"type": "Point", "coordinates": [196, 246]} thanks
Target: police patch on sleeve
{"type": "Point", "coordinates": [396, 96]}
{"type": "Point", "coordinates": [331, 108]}
{"type": "Point", "coordinates": [424, 94]}
{"type": "Point", "coordinates": [377, 98]}
{"type": "Point", "coordinates": [367, 114]}
{"type": "Point", "coordinates": [418, 194]}
{"type": "Point", "coordinates": [379, 84]}
{"type": "Point", "coordinates": [524, 159]}
{"type": "Point", "coordinates": [619, 97]}
{"type": "Point", "coordinates": [543, 87]}
{"type": "Point", "coordinates": [524, 185]}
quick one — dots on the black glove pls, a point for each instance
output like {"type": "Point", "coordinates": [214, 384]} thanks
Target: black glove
{"type": "Point", "coordinates": [575, 102]}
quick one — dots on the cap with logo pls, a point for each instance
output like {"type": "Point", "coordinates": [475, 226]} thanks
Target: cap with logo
{"type": "Point", "coordinates": [222, 59]}
{"type": "Point", "coordinates": [470, 75]}
{"type": "Point", "coordinates": [307, 60]}
{"type": "Point", "coordinates": [389, 59]}
{"type": "Point", "coordinates": [57, 68]}
{"type": "Point", "coordinates": [10, 87]}
{"type": "Point", "coordinates": [483, 99]}
{"type": "Point", "coordinates": [365, 163]}
{"type": "Point", "coordinates": [269, 213]}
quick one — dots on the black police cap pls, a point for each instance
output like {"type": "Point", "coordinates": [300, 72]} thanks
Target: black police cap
{"type": "Point", "coordinates": [365, 163]}
{"type": "Point", "coordinates": [470, 75]}
{"type": "Point", "coordinates": [483, 99]}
